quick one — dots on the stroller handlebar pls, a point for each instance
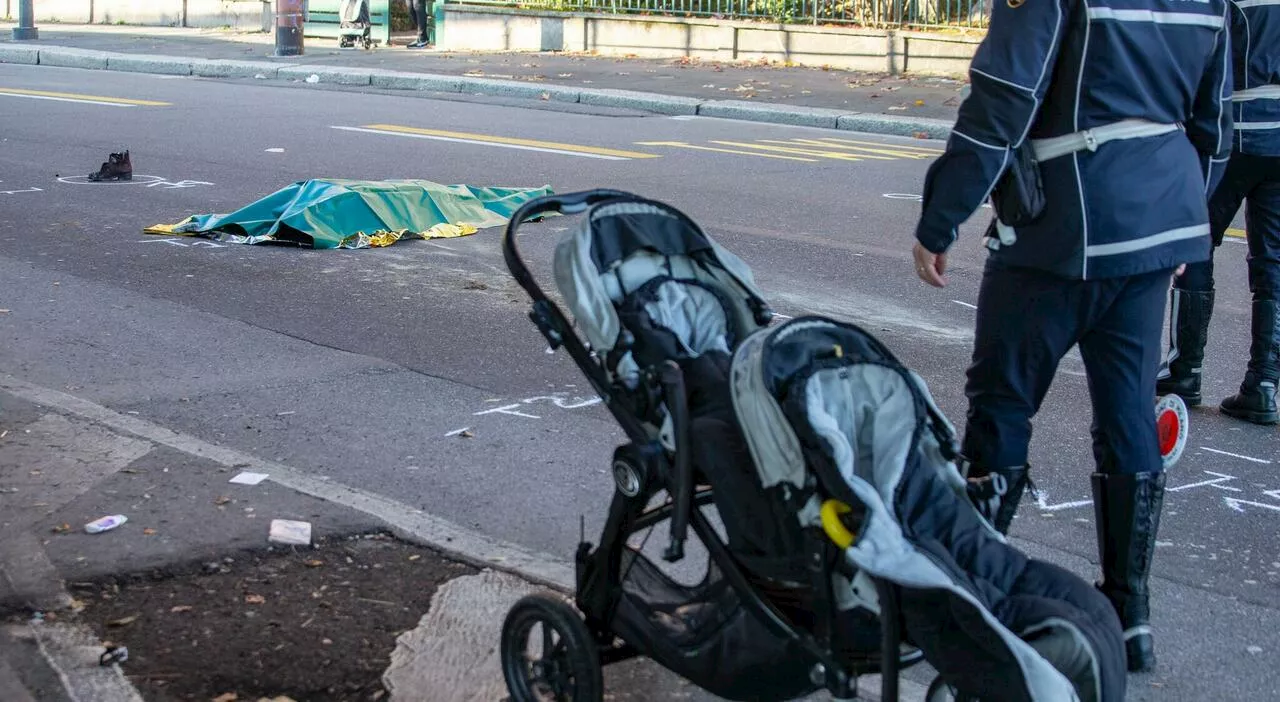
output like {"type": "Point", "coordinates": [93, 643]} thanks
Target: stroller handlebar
{"type": "Point", "coordinates": [569, 203]}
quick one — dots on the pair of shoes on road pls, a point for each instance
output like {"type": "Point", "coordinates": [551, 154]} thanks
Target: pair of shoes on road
{"type": "Point", "coordinates": [117, 167]}
{"type": "Point", "coordinates": [1180, 374]}
{"type": "Point", "coordinates": [421, 44]}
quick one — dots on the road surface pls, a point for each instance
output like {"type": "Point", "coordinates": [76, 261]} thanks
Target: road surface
{"type": "Point", "coordinates": [365, 366]}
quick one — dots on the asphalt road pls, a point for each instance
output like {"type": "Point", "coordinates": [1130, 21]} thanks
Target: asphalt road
{"type": "Point", "coordinates": [362, 365]}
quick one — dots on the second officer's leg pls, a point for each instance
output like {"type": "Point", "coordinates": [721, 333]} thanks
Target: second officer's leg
{"type": "Point", "coordinates": [1191, 299]}
{"type": "Point", "coordinates": [1121, 352]}
{"type": "Point", "coordinates": [1025, 324]}
{"type": "Point", "coordinates": [1256, 401]}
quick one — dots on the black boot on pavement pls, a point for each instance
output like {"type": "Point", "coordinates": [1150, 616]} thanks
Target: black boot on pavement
{"type": "Point", "coordinates": [997, 492]}
{"type": "Point", "coordinates": [1189, 313]}
{"type": "Point", "coordinates": [1256, 401]}
{"type": "Point", "coordinates": [1127, 516]}
{"type": "Point", "coordinates": [117, 167]}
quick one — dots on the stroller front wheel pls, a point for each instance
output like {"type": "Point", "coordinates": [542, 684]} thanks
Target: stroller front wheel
{"type": "Point", "coordinates": [566, 665]}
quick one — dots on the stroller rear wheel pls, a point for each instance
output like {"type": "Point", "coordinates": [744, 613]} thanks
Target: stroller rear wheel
{"type": "Point", "coordinates": [567, 664]}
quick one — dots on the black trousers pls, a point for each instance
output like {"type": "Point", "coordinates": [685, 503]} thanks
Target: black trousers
{"type": "Point", "coordinates": [1027, 320]}
{"type": "Point", "coordinates": [424, 17]}
{"type": "Point", "coordinates": [1257, 180]}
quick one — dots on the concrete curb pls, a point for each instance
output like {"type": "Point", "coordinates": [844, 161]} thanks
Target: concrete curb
{"type": "Point", "coordinates": [69, 57]}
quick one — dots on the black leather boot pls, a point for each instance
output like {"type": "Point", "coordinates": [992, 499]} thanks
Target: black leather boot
{"type": "Point", "coordinates": [1126, 511]}
{"type": "Point", "coordinates": [1256, 401]}
{"type": "Point", "coordinates": [117, 167]}
{"type": "Point", "coordinates": [1189, 313]}
{"type": "Point", "coordinates": [996, 492]}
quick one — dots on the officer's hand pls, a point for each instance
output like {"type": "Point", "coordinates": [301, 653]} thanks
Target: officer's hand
{"type": "Point", "coordinates": [930, 266]}
{"type": "Point", "coordinates": [1180, 270]}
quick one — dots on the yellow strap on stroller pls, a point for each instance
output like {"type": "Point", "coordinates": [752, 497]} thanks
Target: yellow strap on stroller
{"type": "Point", "coordinates": [836, 530]}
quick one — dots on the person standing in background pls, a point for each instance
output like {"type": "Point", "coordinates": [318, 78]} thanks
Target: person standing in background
{"type": "Point", "coordinates": [1252, 176]}
{"type": "Point", "coordinates": [424, 19]}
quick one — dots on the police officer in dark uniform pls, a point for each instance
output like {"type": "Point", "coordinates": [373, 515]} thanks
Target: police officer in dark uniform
{"type": "Point", "coordinates": [1253, 175]}
{"type": "Point", "coordinates": [1125, 106]}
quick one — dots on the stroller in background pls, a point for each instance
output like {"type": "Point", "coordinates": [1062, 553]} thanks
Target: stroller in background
{"type": "Point", "coordinates": [354, 24]}
{"type": "Point", "coordinates": [851, 548]}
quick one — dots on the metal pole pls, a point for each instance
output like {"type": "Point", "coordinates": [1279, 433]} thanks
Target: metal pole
{"type": "Point", "coordinates": [26, 29]}
{"type": "Point", "coordinates": [289, 19]}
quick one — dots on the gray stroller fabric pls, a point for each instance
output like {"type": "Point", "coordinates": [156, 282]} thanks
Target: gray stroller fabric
{"type": "Point", "coordinates": [866, 420]}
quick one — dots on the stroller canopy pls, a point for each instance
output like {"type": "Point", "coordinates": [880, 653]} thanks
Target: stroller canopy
{"type": "Point", "coordinates": [644, 254]}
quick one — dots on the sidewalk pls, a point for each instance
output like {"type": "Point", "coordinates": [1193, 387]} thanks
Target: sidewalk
{"type": "Point", "coordinates": [208, 609]}
{"type": "Point", "coordinates": [908, 103]}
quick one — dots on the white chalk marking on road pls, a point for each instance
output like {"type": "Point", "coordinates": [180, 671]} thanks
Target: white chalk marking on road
{"type": "Point", "coordinates": [441, 534]}
{"type": "Point", "coordinates": [1237, 504]}
{"type": "Point", "coordinates": [507, 409]}
{"type": "Point", "coordinates": [15, 192]}
{"type": "Point", "coordinates": [1215, 482]}
{"type": "Point", "coordinates": [1236, 455]}
{"type": "Point", "coordinates": [561, 401]}
{"type": "Point", "coordinates": [965, 304]}
{"type": "Point", "coordinates": [478, 142]}
{"type": "Point", "coordinates": [1043, 503]}
{"type": "Point", "coordinates": [456, 432]}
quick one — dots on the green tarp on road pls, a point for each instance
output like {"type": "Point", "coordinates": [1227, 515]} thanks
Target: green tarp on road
{"type": "Point", "coordinates": [327, 214]}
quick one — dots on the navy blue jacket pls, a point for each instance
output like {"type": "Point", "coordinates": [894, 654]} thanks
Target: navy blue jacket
{"type": "Point", "coordinates": [1255, 40]}
{"type": "Point", "coordinates": [1049, 68]}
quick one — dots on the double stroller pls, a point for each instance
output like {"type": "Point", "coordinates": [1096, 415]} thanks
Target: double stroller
{"type": "Point", "coordinates": [842, 543]}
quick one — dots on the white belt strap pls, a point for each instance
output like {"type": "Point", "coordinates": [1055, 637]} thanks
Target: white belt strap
{"type": "Point", "coordinates": [1262, 92]}
{"type": "Point", "coordinates": [1091, 139]}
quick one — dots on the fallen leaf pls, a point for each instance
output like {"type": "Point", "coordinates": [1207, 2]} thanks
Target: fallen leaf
{"type": "Point", "coordinates": [228, 697]}
{"type": "Point", "coordinates": [467, 435]}
{"type": "Point", "coordinates": [546, 96]}
{"type": "Point", "coordinates": [313, 563]}
{"type": "Point", "coordinates": [181, 608]}
{"type": "Point", "coordinates": [222, 500]}
{"type": "Point", "coordinates": [326, 642]}
{"type": "Point", "coordinates": [123, 621]}
{"type": "Point", "coordinates": [133, 471]}
{"type": "Point", "coordinates": [919, 103]}
{"type": "Point", "coordinates": [921, 135]}
{"type": "Point", "coordinates": [62, 529]}
{"type": "Point", "coordinates": [414, 557]}
{"type": "Point", "coordinates": [255, 599]}
{"type": "Point", "coordinates": [149, 532]}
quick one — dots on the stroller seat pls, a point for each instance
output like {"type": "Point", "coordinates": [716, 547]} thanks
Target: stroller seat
{"type": "Point", "coordinates": [782, 426]}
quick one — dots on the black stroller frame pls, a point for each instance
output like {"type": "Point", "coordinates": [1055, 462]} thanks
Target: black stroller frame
{"type": "Point", "coordinates": [642, 468]}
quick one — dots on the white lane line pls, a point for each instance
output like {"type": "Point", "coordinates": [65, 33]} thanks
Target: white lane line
{"type": "Point", "coordinates": [478, 142]}
{"type": "Point", "coordinates": [1236, 455]}
{"type": "Point", "coordinates": [965, 304]}
{"type": "Point", "coordinates": [456, 432]}
{"type": "Point", "coordinates": [64, 99]}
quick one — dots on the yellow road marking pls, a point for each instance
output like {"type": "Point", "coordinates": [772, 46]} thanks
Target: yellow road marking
{"type": "Point", "coordinates": [531, 144]}
{"type": "Point", "coordinates": [684, 145]}
{"type": "Point", "coordinates": [804, 152]}
{"type": "Point", "coordinates": [885, 149]}
{"type": "Point", "coordinates": [77, 97]}
{"type": "Point", "coordinates": [808, 142]}
{"type": "Point", "coordinates": [1235, 233]}
{"type": "Point", "coordinates": [875, 143]}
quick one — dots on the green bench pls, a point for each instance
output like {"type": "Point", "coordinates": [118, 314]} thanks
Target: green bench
{"type": "Point", "coordinates": [323, 20]}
